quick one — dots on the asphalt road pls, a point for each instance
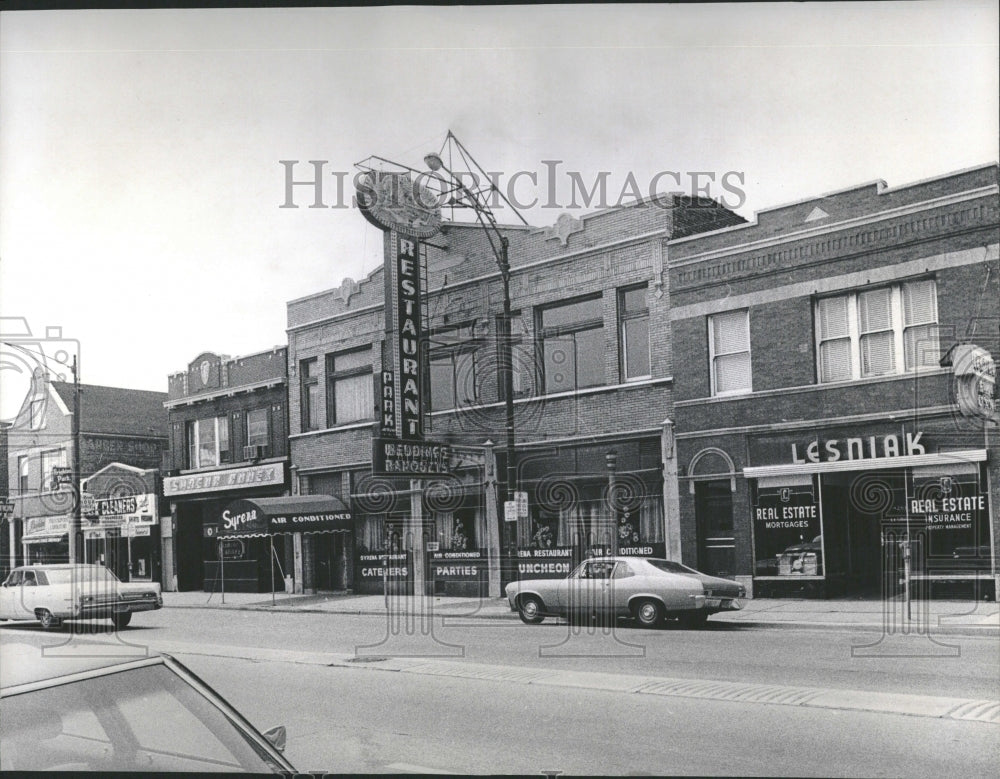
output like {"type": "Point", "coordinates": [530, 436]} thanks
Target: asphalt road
{"type": "Point", "coordinates": [362, 719]}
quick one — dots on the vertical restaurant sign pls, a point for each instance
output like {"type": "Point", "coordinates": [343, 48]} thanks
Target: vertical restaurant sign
{"type": "Point", "coordinates": [387, 404]}
{"type": "Point", "coordinates": [409, 396]}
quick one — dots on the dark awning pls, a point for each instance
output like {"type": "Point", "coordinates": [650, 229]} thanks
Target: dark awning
{"type": "Point", "coordinates": [291, 514]}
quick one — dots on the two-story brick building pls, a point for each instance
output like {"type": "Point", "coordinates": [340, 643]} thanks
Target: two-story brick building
{"type": "Point", "coordinates": [228, 428]}
{"type": "Point", "coordinates": [818, 428]}
{"type": "Point", "coordinates": [593, 377]}
{"type": "Point", "coordinates": [116, 426]}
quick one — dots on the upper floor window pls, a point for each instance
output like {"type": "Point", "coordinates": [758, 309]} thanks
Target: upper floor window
{"type": "Point", "coordinates": [572, 340]}
{"type": "Point", "coordinates": [520, 356]}
{"type": "Point", "coordinates": [729, 352]}
{"type": "Point", "coordinates": [312, 397]}
{"type": "Point", "coordinates": [258, 431]}
{"type": "Point", "coordinates": [452, 364]}
{"type": "Point", "coordinates": [633, 333]}
{"type": "Point", "coordinates": [37, 413]}
{"type": "Point", "coordinates": [351, 397]}
{"type": "Point", "coordinates": [51, 459]}
{"type": "Point", "coordinates": [207, 442]}
{"type": "Point", "coordinates": [22, 473]}
{"type": "Point", "coordinates": [877, 332]}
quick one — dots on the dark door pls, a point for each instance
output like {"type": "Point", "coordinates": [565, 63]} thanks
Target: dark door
{"type": "Point", "coordinates": [714, 518]}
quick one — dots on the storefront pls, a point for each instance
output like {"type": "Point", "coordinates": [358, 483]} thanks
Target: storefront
{"type": "Point", "coordinates": [46, 539]}
{"type": "Point", "coordinates": [246, 524]}
{"type": "Point", "coordinates": [197, 502]}
{"type": "Point", "coordinates": [839, 510]}
{"type": "Point", "coordinates": [589, 500]}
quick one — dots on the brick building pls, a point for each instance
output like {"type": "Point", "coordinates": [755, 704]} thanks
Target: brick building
{"type": "Point", "coordinates": [593, 374]}
{"type": "Point", "coordinates": [228, 423]}
{"type": "Point", "coordinates": [116, 426]}
{"type": "Point", "coordinates": [818, 430]}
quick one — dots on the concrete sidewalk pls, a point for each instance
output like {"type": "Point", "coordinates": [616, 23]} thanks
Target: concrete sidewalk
{"type": "Point", "coordinates": [955, 617]}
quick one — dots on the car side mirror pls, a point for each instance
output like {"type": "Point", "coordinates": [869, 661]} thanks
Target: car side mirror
{"type": "Point", "coordinates": [277, 737]}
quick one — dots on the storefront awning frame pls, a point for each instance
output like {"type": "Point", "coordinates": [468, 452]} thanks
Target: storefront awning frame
{"type": "Point", "coordinates": [876, 463]}
{"type": "Point", "coordinates": [263, 517]}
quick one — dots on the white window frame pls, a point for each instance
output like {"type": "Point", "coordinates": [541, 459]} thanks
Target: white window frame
{"type": "Point", "coordinates": [854, 332]}
{"type": "Point", "coordinates": [267, 426]}
{"type": "Point", "coordinates": [712, 355]}
{"type": "Point", "coordinates": [624, 317]}
{"type": "Point", "coordinates": [196, 448]}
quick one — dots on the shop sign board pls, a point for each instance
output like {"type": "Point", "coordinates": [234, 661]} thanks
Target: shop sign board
{"type": "Point", "coordinates": [834, 447]}
{"type": "Point", "coordinates": [117, 506]}
{"type": "Point", "coordinates": [654, 549]}
{"type": "Point", "coordinates": [396, 201]}
{"type": "Point", "coordinates": [39, 526]}
{"type": "Point", "coordinates": [231, 549]}
{"type": "Point", "coordinates": [457, 566]}
{"type": "Point", "coordinates": [551, 563]}
{"type": "Point", "coordinates": [269, 475]}
{"type": "Point", "coordinates": [952, 514]}
{"type": "Point", "coordinates": [373, 566]}
{"type": "Point", "coordinates": [409, 332]}
{"type": "Point", "coordinates": [135, 531]}
{"type": "Point", "coordinates": [387, 403]}
{"type": "Point", "coordinates": [975, 381]}
{"type": "Point", "coordinates": [787, 532]}
{"type": "Point", "coordinates": [413, 459]}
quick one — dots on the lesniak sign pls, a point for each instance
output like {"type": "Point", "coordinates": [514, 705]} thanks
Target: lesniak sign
{"type": "Point", "coordinates": [234, 478]}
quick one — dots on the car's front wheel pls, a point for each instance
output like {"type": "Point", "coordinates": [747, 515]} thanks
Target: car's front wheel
{"type": "Point", "coordinates": [121, 620]}
{"type": "Point", "coordinates": [47, 619]}
{"type": "Point", "coordinates": [529, 609]}
{"type": "Point", "coordinates": [648, 613]}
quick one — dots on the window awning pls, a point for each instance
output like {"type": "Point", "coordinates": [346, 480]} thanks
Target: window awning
{"type": "Point", "coordinates": [292, 514]}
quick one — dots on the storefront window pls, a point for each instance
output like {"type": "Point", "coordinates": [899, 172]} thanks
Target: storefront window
{"type": "Point", "coordinates": [787, 528]}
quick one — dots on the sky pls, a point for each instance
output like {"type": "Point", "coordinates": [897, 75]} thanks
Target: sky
{"type": "Point", "coordinates": [141, 184]}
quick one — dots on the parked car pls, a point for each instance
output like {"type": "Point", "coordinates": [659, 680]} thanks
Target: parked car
{"type": "Point", "coordinates": [93, 713]}
{"type": "Point", "coordinates": [53, 593]}
{"type": "Point", "coordinates": [646, 589]}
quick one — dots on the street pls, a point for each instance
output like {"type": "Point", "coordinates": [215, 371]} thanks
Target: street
{"type": "Point", "coordinates": [495, 696]}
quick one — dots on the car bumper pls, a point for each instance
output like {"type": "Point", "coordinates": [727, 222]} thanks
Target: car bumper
{"type": "Point", "coordinates": [106, 610]}
{"type": "Point", "coordinates": [723, 604]}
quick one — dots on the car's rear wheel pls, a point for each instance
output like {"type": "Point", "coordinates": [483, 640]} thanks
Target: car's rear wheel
{"type": "Point", "coordinates": [648, 613]}
{"type": "Point", "coordinates": [121, 620]}
{"type": "Point", "coordinates": [694, 619]}
{"type": "Point", "coordinates": [529, 609]}
{"type": "Point", "coordinates": [47, 619]}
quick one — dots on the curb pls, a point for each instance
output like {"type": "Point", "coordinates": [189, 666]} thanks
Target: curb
{"type": "Point", "coordinates": [980, 631]}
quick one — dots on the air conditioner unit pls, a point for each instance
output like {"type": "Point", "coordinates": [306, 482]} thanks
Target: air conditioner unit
{"type": "Point", "coordinates": [254, 452]}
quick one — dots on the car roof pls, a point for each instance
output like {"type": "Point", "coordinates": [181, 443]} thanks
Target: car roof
{"type": "Point", "coordinates": [57, 566]}
{"type": "Point", "coordinates": [25, 664]}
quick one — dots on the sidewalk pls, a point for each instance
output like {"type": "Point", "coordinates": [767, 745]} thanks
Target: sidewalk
{"type": "Point", "coordinates": [943, 617]}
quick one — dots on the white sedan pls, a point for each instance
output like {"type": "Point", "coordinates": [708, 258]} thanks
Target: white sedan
{"type": "Point", "coordinates": [53, 593]}
{"type": "Point", "coordinates": [645, 589]}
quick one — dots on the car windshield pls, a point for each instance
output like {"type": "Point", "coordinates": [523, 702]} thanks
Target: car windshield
{"type": "Point", "coordinates": [669, 566]}
{"type": "Point", "coordinates": [115, 723]}
{"type": "Point", "coordinates": [92, 573]}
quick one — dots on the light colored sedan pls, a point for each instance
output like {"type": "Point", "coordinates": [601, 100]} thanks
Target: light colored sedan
{"type": "Point", "coordinates": [646, 589]}
{"type": "Point", "coordinates": [53, 593]}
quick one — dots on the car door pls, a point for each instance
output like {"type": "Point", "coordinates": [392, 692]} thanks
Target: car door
{"type": "Point", "coordinates": [590, 592]}
{"type": "Point", "coordinates": [622, 586]}
{"type": "Point", "coordinates": [28, 593]}
{"type": "Point", "coordinates": [9, 595]}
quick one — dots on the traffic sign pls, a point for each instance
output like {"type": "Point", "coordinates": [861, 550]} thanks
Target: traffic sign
{"type": "Point", "coordinates": [510, 511]}
{"type": "Point", "coordinates": [521, 499]}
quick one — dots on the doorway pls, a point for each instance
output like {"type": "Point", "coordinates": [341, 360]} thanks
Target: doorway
{"type": "Point", "coordinates": [714, 521]}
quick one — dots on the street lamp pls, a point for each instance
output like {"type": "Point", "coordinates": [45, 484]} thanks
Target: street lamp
{"type": "Point", "coordinates": [611, 458]}
{"type": "Point", "coordinates": [498, 245]}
